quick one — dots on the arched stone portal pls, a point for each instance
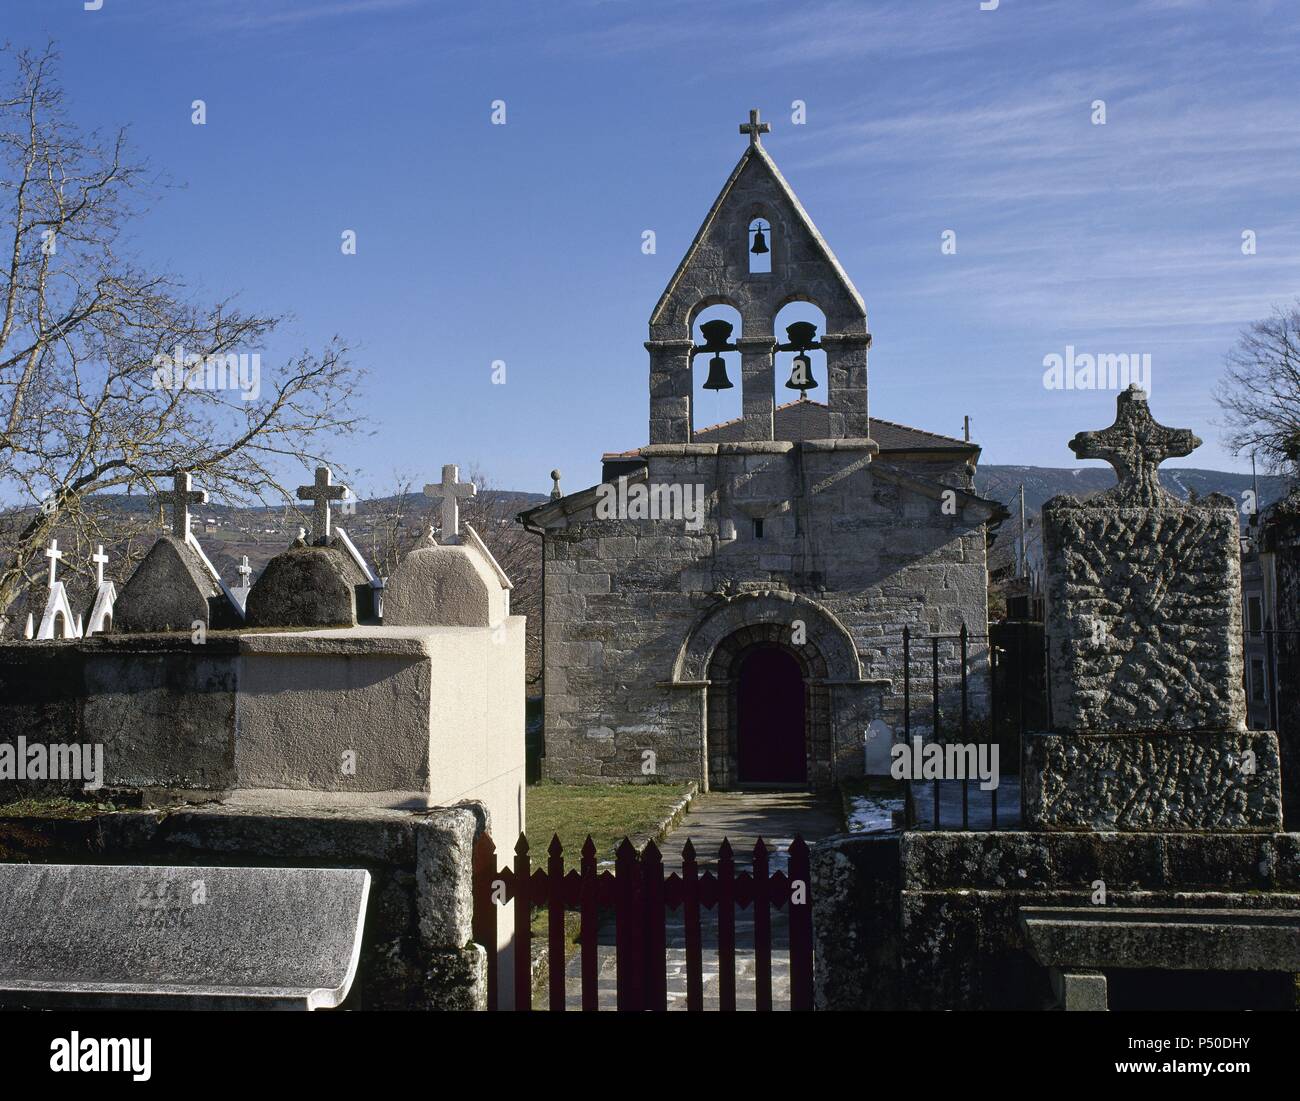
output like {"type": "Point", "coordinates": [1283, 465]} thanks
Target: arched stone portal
{"type": "Point", "coordinates": [715, 656]}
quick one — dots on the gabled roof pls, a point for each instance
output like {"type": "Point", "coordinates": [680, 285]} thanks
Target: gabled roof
{"type": "Point", "coordinates": [764, 163]}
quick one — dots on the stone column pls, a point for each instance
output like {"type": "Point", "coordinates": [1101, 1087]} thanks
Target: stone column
{"type": "Point", "coordinates": [758, 386]}
{"type": "Point", "coordinates": [846, 368]}
{"type": "Point", "coordinates": [670, 390]}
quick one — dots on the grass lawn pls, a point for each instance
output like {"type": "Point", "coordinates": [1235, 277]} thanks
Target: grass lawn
{"type": "Point", "coordinates": [608, 812]}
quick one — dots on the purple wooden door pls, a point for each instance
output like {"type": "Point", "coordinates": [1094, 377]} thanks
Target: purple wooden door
{"type": "Point", "coordinates": [770, 718]}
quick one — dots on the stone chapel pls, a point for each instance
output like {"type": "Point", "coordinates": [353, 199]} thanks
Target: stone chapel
{"type": "Point", "coordinates": [756, 640]}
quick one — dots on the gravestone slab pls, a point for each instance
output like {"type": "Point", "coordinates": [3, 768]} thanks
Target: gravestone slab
{"type": "Point", "coordinates": [308, 586]}
{"type": "Point", "coordinates": [145, 937]}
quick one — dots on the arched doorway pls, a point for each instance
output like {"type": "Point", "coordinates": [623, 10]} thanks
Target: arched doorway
{"type": "Point", "coordinates": [771, 728]}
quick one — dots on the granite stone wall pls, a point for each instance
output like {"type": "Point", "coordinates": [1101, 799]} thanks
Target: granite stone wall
{"type": "Point", "coordinates": [931, 918]}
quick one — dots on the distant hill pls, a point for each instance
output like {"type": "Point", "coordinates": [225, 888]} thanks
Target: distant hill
{"type": "Point", "coordinates": [1002, 483]}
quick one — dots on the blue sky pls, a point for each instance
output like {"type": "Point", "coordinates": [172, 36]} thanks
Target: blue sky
{"type": "Point", "coordinates": [522, 242]}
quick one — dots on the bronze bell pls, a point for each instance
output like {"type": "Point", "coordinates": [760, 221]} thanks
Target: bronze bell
{"type": "Point", "coordinates": [803, 336]}
{"type": "Point", "coordinates": [801, 377]}
{"type": "Point", "coordinates": [717, 379]}
{"type": "Point", "coordinates": [760, 242]}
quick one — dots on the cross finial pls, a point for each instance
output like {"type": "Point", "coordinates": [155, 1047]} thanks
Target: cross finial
{"type": "Point", "coordinates": [754, 128]}
{"type": "Point", "coordinates": [180, 498]}
{"type": "Point", "coordinates": [451, 489]}
{"type": "Point", "coordinates": [1135, 445]}
{"type": "Point", "coordinates": [321, 492]}
{"type": "Point", "coordinates": [101, 560]}
{"type": "Point", "coordinates": [244, 570]}
{"type": "Point", "coordinates": [53, 554]}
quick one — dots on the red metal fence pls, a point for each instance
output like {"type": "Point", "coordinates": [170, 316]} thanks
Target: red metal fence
{"type": "Point", "coordinates": [640, 896]}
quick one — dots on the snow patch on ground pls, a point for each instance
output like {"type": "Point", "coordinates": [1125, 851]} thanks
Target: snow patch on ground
{"type": "Point", "coordinates": [872, 813]}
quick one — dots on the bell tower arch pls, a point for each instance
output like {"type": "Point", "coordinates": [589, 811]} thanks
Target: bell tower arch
{"type": "Point", "coordinates": [758, 215]}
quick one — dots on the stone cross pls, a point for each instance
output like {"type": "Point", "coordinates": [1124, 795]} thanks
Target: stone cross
{"type": "Point", "coordinates": [180, 498]}
{"type": "Point", "coordinates": [1135, 445]}
{"type": "Point", "coordinates": [53, 554]}
{"type": "Point", "coordinates": [451, 489]}
{"type": "Point", "coordinates": [321, 492]}
{"type": "Point", "coordinates": [244, 570]}
{"type": "Point", "coordinates": [754, 128]}
{"type": "Point", "coordinates": [101, 560]}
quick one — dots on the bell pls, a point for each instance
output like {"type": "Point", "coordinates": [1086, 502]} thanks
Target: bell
{"type": "Point", "coordinates": [760, 242]}
{"type": "Point", "coordinates": [801, 378]}
{"type": "Point", "coordinates": [717, 379]}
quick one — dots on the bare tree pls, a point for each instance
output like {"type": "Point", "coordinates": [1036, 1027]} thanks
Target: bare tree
{"type": "Point", "coordinates": [1260, 392]}
{"type": "Point", "coordinates": [85, 408]}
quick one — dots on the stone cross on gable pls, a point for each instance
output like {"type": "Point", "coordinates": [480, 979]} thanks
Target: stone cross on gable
{"type": "Point", "coordinates": [1135, 445]}
{"type": "Point", "coordinates": [180, 498]}
{"type": "Point", "coordinates": [101, 560]}
{"type": "Point", "coordinates": [754, 128]}
{"type": "Point", "coordinates": [53, 554]}
{"type": "Point", "coordinates": [451, 489]}
{"type": "Point", "coordinates": [321, 492]}
{"type": "Point", "coordinates": [244, 570]}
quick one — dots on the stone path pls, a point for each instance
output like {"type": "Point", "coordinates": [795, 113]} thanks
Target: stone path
{"type": "Point", "coordinates": [742, 818]}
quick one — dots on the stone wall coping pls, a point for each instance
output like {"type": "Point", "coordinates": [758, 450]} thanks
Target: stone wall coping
{"type": "Point", "coordinates": [1097, 937]}
{"type": "Point", "coordinates": [224, 642]}
{"type": "Point", "coordinates": [414, 642]}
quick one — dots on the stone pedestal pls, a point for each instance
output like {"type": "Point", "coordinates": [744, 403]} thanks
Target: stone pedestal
{"type": "Point", "coordinates": [1202, 780]}
{"type": "Point", "coordinates": [1144, 649]}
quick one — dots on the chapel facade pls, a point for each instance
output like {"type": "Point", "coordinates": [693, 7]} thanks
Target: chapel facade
{"type": "Point", "coordinates": [757, 641]}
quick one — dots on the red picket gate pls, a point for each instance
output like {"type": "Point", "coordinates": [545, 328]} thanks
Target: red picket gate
{"type": "Point", "coordinates": [640, 897]}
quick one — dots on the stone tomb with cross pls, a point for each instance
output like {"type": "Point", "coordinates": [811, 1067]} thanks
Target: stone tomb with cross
{"type": "Point", "coordinates": [385, 746]}
{"type": "Point", "coordinates": [175, 586]}
{"type": "Point", "coordinates": [1144, 636]}
{"type": "Point", "coordinates": [434, 695]}
{"type": "Point", "coordinates": [320, 581]}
